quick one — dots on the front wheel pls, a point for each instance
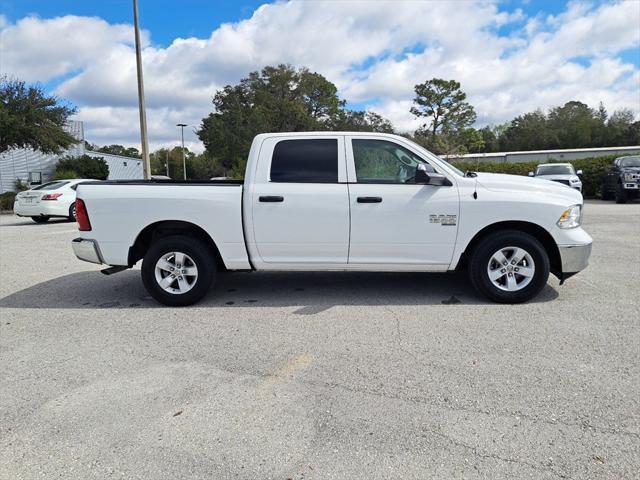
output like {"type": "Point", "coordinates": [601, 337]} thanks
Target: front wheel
{"type": "Point", "coordinates": [178, 270]}
{"type": "Point", "coordinates": [509, 267]}
{"type": "Point", "coordinates": [621, 194]}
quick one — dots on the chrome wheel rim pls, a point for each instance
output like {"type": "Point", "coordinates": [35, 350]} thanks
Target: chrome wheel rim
{"type": "Point", "coordinates": [511, 269]}
{"type": "Point", "coordinates": [176, 272]}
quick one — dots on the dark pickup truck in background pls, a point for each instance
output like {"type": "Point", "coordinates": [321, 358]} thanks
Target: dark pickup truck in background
{"type": "Point", "coordinates": [622, 179]}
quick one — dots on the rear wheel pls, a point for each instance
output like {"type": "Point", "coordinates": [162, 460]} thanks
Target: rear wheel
{"type": "Point", "coordinates": [72, 212]}
{"type": "Point", "coordinates": [621, 194]}
{"type": "Point", "coordinates": [509, 267]}
{"type": "Point", "coordinates": [40, 219]}
{"type": "Point", "coordinates": [178, 270]}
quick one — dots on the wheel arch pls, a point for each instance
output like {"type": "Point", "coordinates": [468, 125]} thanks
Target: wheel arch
{"type": "Point", "coordinates": [166, 228]}
{"type": "Point", "coordinates": [536, 231]}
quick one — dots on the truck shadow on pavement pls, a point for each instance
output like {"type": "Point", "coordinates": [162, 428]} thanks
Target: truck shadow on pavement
{"type": "Point", "coordinates": [312, 292]}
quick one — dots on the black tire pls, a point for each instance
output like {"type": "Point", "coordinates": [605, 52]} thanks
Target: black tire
{"type": "Point", "coordinates": [621, 194]}
{"type": "Point", "coordinates": [41, 219]}
{"type": "Point", "coordinates": [483, 254]}
{"type": "Point", "coordinates": [72, 212]}
{"type": "Point", "coordinates": [203, 260]}
{"type": "Point", "coordinates": [606, 194]}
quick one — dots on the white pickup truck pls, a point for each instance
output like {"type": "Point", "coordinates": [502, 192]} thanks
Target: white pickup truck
{"type": "Point", "coordinates": [336, 201]}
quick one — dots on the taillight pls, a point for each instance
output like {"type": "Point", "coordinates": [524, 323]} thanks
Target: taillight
{"type": "Point", "coordinates": [84, 225]}
{"type": "Point", "coordinates": [51, 196]}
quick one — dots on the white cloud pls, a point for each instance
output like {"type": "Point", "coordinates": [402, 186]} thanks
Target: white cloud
{"type": "Point", "coordinates": [541, 63]}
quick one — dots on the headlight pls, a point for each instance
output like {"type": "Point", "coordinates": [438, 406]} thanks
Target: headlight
{"type": "Point", "coordinates": [629, 177]}
{"type": "Point", "coordinates": [571, 217]}
{"type": "Point", "coordinates": [575, 180]}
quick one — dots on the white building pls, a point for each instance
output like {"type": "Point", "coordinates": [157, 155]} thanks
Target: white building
{"type": "Point", "coordinates": [29, 165]}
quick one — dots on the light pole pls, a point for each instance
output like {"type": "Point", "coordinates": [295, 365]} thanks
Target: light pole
{"type": "Point", "coordinates": [146, 164]}
{"type": "Point", "coordinates": [184, 161]}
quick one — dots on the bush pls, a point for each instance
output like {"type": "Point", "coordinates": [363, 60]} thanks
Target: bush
{"type": "Point", "coordinates": [82, 167]}
{"type": "Point", "coordinates": [592, 170]}
{"type": "Point", "coordinates": [62, 174]}
{"type": "Point", "coordinates": [20, 185]}
{"type": "Point", "coordinates": [6, 200]}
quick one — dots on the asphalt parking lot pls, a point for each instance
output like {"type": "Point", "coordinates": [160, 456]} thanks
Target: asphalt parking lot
{"type": "Point", "coordinates": [321, 375]}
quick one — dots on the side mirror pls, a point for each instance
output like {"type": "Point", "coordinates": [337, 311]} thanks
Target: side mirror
{"type": "Point", "coordinates": [421, 174]}
{"type": "Point", "coordinates": [430, 178]}
{"type": "Point", "coordinates": [579, 172]}
{"type": "Point", "coordinates": [531, 174]}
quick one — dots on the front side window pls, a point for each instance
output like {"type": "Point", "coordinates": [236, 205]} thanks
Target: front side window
{"type": "Point", "coordinates": [305, 161]}
{"type": "Point", "coordinates": [381, 161]}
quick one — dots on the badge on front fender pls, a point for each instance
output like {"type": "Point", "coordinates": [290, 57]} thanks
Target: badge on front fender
{"type": "Point", "coordinates": [444, 220]}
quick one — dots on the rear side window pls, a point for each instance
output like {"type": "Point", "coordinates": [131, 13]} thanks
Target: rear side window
{"type": "Point", "coordinates": [305, 161]}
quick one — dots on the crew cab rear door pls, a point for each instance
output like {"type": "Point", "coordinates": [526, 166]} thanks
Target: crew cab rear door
{"type": "Point", "coordinates": [300, 202]}
{"type": "Point", "coordinates": [394, 221]}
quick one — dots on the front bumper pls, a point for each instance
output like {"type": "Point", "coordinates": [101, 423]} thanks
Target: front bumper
{"type": "Point", "coordinates": [574, 258]}
{"type": "Point", "coordinates": [87, 250]}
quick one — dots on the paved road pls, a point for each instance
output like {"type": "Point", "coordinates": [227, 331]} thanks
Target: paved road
{"type": "Point", "coordinates": [317, 375]}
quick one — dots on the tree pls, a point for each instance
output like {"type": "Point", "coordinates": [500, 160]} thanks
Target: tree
{"type": "Point", "coordinates": [361, 121]}
{"type": "Point", "coordinates": [619, 128]}
{"type": "Point", "coordinates": [81, 167]}
{"type": "Point", "coordinates": [158, 160]}
{"type": "Point", "coordinates": [276, 99]}
{"type": "Point", "coordinates": [29, 118]}
{"type": "Point", "coordinates": [131, 152]}
{"type": "Point", "coordinates": [528, 132]}
{"type": "Point", "coordinates": [443, 104]}
{"type": "Point", "coordinates": [471, 140]}
{"type": "Point", "coordinates": [489, 140]}
{"type": "Point", "coordinates": [574, 125]}
{"type": "Point", "coordinates": [199, 166]}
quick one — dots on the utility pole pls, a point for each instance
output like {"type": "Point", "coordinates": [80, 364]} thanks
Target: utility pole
{"type": "Point", "coordinates": [184, 161]}
{"type": "Point", "coordinates": [146, 164]}
{"type": "Point", "coordinates": [167, 162]}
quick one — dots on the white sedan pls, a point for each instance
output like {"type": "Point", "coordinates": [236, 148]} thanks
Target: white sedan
{"type": "Point", "coordinates": [52, 199]}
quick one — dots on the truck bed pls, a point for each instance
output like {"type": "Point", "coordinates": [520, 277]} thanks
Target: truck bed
{"type": "Point", "coordinates": [120, 210]}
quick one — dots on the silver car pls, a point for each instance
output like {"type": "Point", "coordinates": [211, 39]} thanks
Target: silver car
{"type": "Point", "coordinates": [559, 172]}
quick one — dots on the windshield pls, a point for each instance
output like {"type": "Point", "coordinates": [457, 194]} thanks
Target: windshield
{"type": "Point", "coordinates": [555, 170]}
{"type": "Point", "coordinates": [630, 162]}
{"type": "Point", "coordinates": [456, 170]}
{"type": "Point", "coordinates": [428, 154]}
{"type": "Point", "coordinates": [50, 186]}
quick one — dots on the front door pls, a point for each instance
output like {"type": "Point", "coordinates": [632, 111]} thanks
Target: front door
{"type": "Point", "coordinates": [393, 220]}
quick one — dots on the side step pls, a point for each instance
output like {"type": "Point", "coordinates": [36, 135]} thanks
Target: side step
{"type": "Point", "coordinates": [112, 270]}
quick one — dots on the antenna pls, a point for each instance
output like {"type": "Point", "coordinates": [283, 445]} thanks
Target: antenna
{"type": "Point", "coordinates": [475, 185]}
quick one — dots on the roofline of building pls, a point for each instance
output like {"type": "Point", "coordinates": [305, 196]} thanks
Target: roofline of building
{"type": "Point", "coordinates": [530, 152]}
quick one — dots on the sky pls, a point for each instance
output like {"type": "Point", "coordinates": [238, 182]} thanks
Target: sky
{"type": "Point", "coordinates": [511, 56]}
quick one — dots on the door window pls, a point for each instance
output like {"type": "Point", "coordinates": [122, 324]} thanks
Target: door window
{"type": "Point", "coordinates": [381, 161]}
{"type": "Point", "coordinates": [305, 161]}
